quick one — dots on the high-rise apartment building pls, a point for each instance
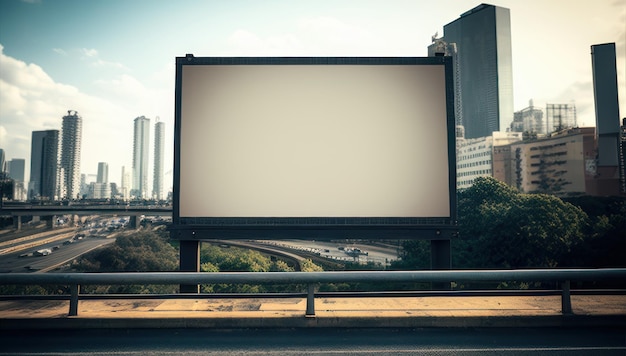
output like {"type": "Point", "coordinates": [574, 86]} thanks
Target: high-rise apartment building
{"type": "Point", "coordinates": [141, 152]}
{"type": "Point", "coordinates": [482, 37]}
{"type": "Point", "coordinates": [43, 164]}
{"type": "Point", "coordinates": [126, 183]}
{"type": "Point", "coordinates": [72, 132]}
{"type": "Point", "coordinates": [159, 147]}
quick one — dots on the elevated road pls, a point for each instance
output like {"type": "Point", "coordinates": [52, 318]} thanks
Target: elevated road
{"type": "Point", "coordinates": [42, 210]}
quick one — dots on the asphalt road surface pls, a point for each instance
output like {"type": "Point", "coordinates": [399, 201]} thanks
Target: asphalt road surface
{"type": "Point", "coordinates": [268, 342]}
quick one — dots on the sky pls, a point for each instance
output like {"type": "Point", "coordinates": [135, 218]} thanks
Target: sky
{"type": "Point", "coordinates": [114, 60]}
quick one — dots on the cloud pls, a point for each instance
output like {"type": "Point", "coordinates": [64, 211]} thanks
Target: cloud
{"type": "Point", "coordinates": [313, 36]}
{"type": "Point", "coordinates": [244, 42]}
{"type": "Point", "coordinates": [30, 100]}
{"type": "Point", "coordinates": [89, 52]}
{"type": "Point", "coordinates": [59, 51]}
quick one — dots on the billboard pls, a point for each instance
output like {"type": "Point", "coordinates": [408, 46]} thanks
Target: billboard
{"type": "Point", "coordinates": [314, 148]}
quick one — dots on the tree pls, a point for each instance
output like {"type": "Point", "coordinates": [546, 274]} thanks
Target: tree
{"type": "Point", "coordinates": [140, 252]}
{"type": "Point", "coordinates": [502, 228]}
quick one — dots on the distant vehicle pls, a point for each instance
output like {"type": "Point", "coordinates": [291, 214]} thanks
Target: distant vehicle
{"type": "Point", "coordinates": [67, 242]}
{"type": "Point", "coordinates": [355, 252]}
{"type": "Point", "coordinates": [43, 252]}
{"type": "Point", "coordinates": [25, 255]}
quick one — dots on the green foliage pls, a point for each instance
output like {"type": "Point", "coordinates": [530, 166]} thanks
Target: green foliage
{"type": "Point", "coordinates": [214, 258]}
{"type": "Point", "coordinates": [503, 228]}
{"type": "Point", "coordinates": [500, 227]}
{"type": "Point", "coordinates": [140, 252]}
{"type": "Point", "coordinates": [604, 244]}
{"type": "Point", "coordinates": [308, 266]}
{"type": "Point", "coordinates": [415, 255]}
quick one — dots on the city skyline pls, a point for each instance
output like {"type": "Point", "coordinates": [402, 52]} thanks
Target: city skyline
{"type": "Point", "coordinates": [113, 61]}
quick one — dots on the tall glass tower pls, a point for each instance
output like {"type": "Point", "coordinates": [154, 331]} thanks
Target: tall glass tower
{"type": "Point", "coordinates": [72, 133]}
{"type": "Point", "coordinates": [159, 146]}
{"type": "Point", "coordinates": [483, 40]}
{"type": "Point", "coordinates": [141, 151]}
{"type": "Point", "coordinates": [44, 160]}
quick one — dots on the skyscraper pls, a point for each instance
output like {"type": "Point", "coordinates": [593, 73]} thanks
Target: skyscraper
{"type": "Point", "coordinates": [159, 146]}
{"type": "Point", "coordinates": [126, 183]}
{"type": "Point", "coordinates": [483, 42]}
{"type": "Point", "coordinates": [141, 151]}
{"type": "Point", "coordinates": [43, 164]}
{"type": "Point", "coordinates": [606, 102]}
{"type": "Point", "coordinates": [72, 131]}
{"type": "Point", "coordinates": [15, 169]}
{"type": "Point", "coordinates": [103, 173]}
{"type": "Point", "coordinates": [101, 189]}
{"type": "Point", "coordinates": [2, 162]}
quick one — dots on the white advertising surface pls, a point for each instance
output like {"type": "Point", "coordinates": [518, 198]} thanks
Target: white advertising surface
{"type": "Point", "coordinates": [330, 140]}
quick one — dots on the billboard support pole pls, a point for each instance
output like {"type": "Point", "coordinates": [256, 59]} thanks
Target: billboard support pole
{"type": "Point", "coordinates": [440, 259]}
{"type": "Point", "coordinates": [189, 262]}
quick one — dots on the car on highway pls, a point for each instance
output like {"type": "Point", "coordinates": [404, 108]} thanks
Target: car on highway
{"type": "Point", "coordinates": [42, 252]}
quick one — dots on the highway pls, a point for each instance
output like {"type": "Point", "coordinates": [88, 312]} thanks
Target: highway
{"type": "Point", "coordinates": [65, 244]}
{"type": "Point", "coordinates": [327, 341]}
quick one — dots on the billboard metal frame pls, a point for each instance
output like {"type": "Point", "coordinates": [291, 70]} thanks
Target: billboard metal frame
{"type": "Point", "coordinates": [315, 228]}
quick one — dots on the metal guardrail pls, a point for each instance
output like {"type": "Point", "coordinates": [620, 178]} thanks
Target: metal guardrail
{"type": "Point", "coordinates": [311, 279]}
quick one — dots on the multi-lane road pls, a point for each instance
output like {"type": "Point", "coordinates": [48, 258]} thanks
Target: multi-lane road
{"type": "Point", "coordinates": [65, 244]}
{"type": "Point", "coordinates": [45, 251]}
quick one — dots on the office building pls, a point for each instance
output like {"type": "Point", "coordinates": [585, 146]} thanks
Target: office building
{"type": "Point", "coordinates": [604, 69]}
{"type": "Point", "coordinates": [606, 102]}
{"type": "Point", "coordinates": [482, 37]}
{"type": "Point", "coordinates": [141, 151]}
{"type": "Point", "coordinates": [475, 157]}
{"type": "Point", "coordinates": [2, 163]}
{"type": "Point", "coordinates": [159, 147]}
{"type": "Point", "coordinates": [101, 189]}
{"type": "Point", "coordinates": [43, 164]}
{"type": "Point", "coordinates": [103, 173]}
{"type": "Point", "coordinates": [72, 131]}
{"type": "Point", "coordinates": [622, 158]}
{"type": "Point", "coordinates": [15, 169]}
{"type": "Point", "coordinates": [562, 164]}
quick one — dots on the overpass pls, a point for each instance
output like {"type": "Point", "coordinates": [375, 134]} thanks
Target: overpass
{"type": "Point", "coordinates": [561, 307]}
{"type": "Point", "coordinates": [48, 212]}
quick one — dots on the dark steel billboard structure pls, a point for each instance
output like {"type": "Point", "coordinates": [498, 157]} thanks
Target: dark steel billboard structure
{"type": "Point", "coordinates": [313, 148]}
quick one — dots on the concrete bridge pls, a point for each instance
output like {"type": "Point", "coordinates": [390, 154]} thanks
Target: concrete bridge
{"type": "Point", "coordinates": [48, 212]}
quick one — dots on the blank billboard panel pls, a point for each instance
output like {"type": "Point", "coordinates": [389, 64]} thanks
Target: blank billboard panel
{"type": "Point", "coordinates": [312, 144]}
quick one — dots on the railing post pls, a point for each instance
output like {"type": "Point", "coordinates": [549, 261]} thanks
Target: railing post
{"type": "Point", "coordinates": [566, 301]}
{"type": "Point", "coordinates": [310, 301]}
{"type": "Point", "coordinates": [74, 290]}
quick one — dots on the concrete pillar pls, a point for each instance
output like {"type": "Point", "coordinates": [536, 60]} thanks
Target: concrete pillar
{"type": "Point", "coordinates": [189, 262]}
{"type": "Point", "coordinates": [17, 222]}
{"type": "Point", "coordinates": [132, 222]}
{"type": "Point", "coordinates": [49, 219]}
